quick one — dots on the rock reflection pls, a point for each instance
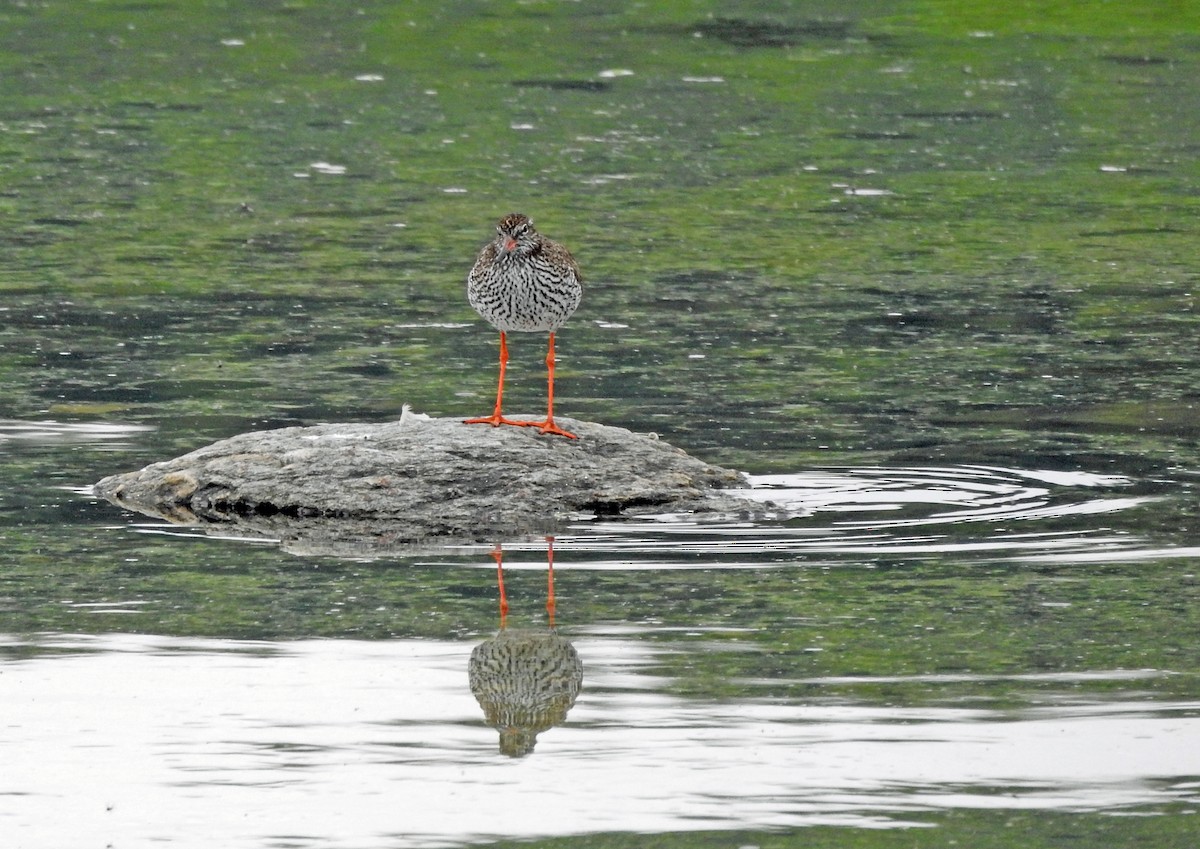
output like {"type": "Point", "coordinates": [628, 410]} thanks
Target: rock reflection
{"type": "Point", "coordinates": [525, 679]}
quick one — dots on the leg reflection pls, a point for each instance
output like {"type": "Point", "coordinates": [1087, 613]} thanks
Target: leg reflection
{"type": "Point", "coordinates": [525, 679]}
{"type": "Point", "coordinates": [498, 556]}
{"type": "Point", "coordinates": [550, 605]}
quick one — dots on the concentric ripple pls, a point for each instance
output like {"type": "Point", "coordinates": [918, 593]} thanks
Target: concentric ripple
{"type": "Point", "coordinates": [984, 512]}
{"type": "Point", "coordinates": [841, 515]}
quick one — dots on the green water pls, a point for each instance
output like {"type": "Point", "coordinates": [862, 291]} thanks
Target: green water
{"type": "Point", "coordinates": [1026, 282]}
{"type": "Point", "coordinates": [849, 234]}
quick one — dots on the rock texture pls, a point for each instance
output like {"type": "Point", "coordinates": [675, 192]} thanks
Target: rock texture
{"type": "Point", "coordinates": [423, 479]}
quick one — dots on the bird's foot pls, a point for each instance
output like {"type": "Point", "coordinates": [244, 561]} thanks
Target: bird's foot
{"type": "Point", "coordinates": [495, 420]}
{"type": "Point", "coordinates": [547, 426]}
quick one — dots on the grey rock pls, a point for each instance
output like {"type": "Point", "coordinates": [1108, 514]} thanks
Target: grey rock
{"type": "Point", "coordinates": [368, 486]}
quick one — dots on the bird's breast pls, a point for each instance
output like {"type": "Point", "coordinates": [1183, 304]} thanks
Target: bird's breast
{"type": "Point", "coordinates": [527, 294]}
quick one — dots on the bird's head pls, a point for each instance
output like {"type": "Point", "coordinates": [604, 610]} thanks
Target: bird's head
{"type": "Point", "coordinates": [515, 234]}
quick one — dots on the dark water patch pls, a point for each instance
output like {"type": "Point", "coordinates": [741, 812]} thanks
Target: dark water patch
{"type": "Point", "coordinates": [1016, 313]}
{"type": "Point", "coordinates": [279, 348]}
{"type": "Point", "coordinates": [564, 85]}
{"type": "Point", "coordinates": [1132, 231]}
{"type": "Point", "coordinates": [131, 319]}
{"type": "Point", "coordinates": [744, 32]}
{"type": "Point", "coordinates": [368, 370]}
{"type": "Point", "coordinates": [60, 222]}
{"type": "Point", "coordinates": [65, 159]}
{"type": "Point", "coordinates": [159, 106]}
{"type": "Point", "coordinates": [29, 238]}
{"type": "Point", "coordinates": [113, 129]}
{"type": "Point", "coordinates": [1136, 60]}
{"type": "Point", "coordinates": [1176, 418]}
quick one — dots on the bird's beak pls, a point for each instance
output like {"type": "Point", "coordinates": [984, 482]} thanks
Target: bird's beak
{"type": "Point", "coordinates": [510, 244]}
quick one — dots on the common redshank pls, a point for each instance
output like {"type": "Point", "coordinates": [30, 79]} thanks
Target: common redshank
{"type": "Point", "coordinates": [524, 282]}
{"type": "Point", "coordinates": [524, 679]}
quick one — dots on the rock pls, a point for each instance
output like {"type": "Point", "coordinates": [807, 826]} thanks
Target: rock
{"type": "Point", "coordinates": [422, 479]}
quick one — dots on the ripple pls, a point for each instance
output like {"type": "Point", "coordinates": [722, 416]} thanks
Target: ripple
{"type": "Point", "coordinates": [234, 734]}
{"type": "Point", "coordinates": [983, 512]}
{"type": "Point", "coordinates": [60, 432]}
{"type": "Point", "coordinates": [831, 516]}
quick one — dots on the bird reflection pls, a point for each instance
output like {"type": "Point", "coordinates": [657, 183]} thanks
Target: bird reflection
{"type": "Point", "coordinates": [525, 679]}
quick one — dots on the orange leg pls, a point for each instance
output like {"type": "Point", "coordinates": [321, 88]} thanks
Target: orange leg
{"type": "Point", "coordinates": [498, 556]}
{"type": "Point", "coordinates": [548, 426]}
{"type": "Point", "coordinates": [551, 605]}
{"type": "Point", "coordinates": [496, 419]}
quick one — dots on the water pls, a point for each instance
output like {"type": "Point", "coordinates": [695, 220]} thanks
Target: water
{"type": "Point", "coordinates": [923, 642]}
{"type": "Point", "coordinates": [927, 275]}
{"type": "Point", "coordinates": [191, 741]}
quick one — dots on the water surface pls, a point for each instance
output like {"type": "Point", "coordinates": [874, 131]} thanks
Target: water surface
{"type": "Point", "coordinates": [187, 741]}
{"type": "Point", "coordinates": [927, 274]}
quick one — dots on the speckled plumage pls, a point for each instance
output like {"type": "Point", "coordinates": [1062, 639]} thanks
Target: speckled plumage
{"type": "Point", "coordinates": [523, 281]}
{"type": "Point", "coordinates": [525, 681]}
